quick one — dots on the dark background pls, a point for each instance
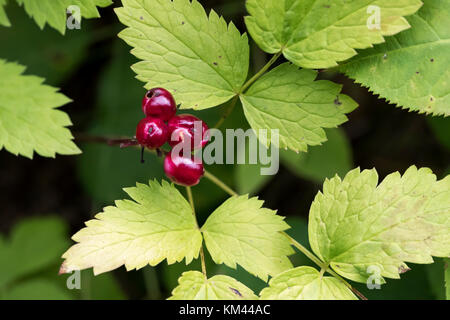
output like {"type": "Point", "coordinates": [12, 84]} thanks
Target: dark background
{"type": "Point", "coordinates": [91, 66]}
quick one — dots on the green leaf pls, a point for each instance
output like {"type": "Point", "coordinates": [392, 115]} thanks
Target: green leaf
{"type": "Point", "coordinates": [34, 244]}
{"type": "Point", "coordinates": [319, 33]}
{"type": "Point", "coordinates": [305, 283]}
{"type": "Point", "coordinates": [291, 101]}
{"type": "Point", "coordinates": [4, 21]}
{"type": "Point", "coordinates": [194, 286]}
{"type": "Point", "coordinates": [362, 229]}
{"type": "Point", "coordinates": [29, 120]}
{"type": "Point", "coordinates": [54, 12]}
{"type": "Point", "coordinates": [241, 232]}
{"type": "Point", "coordinates": [38, 289]}
{"type": "Point", "coordinates": [411, 69]}
{"type": "Point", "coordinates": [157, 225]}
{"type": "Point", "coordinates": [321, 162]}
{"type": "Point", "coordinates": [54, 57]}
{"type": "Point", "coordinates": [201, 59]}
{"type": "Point", "coordinates": [447, 278]}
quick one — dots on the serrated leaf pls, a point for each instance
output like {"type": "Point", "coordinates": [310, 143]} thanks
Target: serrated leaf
{"type": "Point", "coordinates": [305, 283]}
{"type": "Point", "coordinates": [201, 59]}
{"type": "Point", "coordinates": [4, 21]}
{"type": "Point", "coordinates": [194, 286]}
{"type": "Point", "coordinates": [241, 232]}
{"type": "Point", "coordinates": [54, 12]}
{"type": "Point", "coordinates": [411, 69]}
{"type": "Point", "coordinates": [288, 99]}
{"type": "Point", "coordinates": [157, 225]}
{"type": "Point", "coordinates": [364, 230]}
{"type": "Point", "coordinates": [29, 120]}
{"type": "Point", "coordinates": [34, 244]}
{"type": "Point", "coordinates": [319, 33]}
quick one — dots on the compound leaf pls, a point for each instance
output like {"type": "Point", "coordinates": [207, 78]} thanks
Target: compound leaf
{"type": "Point", "coordinates": [194, 286]}
{"type": "Point", "coordinates": [201, 59]}
{"type": "Point", "coordinates": [319, 33]}
{"type": "Point", "coordinates": [241, 232]}
{"type": "Point", "coordinates": [305, 283]}
{"type": "Point", "coordinates": [54, 12]}
{"type": "Point", "coordinates": [364, 230]}
{"type": "Point", "coordinates": [29, 120]}
{"type": "Point", "coordinates": [289, 100]}
{"type": "Point", "coordinates": [157, 225]}
{"type": "Point", "coordinates": [411, 69]}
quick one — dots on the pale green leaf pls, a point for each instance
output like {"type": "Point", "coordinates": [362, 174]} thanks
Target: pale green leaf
{"type": "Point", "coordinates": [4, 21]}
{"type": "Point", "coordinates": [411, 69]}
{"type": "Point", "coordinates": [306, 283]}
{"type": "Point", "coordinates": [194, 286]}
{"type": "Point", "coordinates": [33, 245]}
{"type": "Point", "coordinates": [29, 120]}
{"type": "Point", "coordinates": [54, 12]}
{"type": "Point", "coordinates": [291, 101]}
{"type": "Point", "coordinates": [241, 232]}
{"type": "Point", "coordinates": [364, 230]}
{"type": "Point", "coordinates": [319, 33]}
{"type": "Point", "coordinates": [157, 225]}
{"type": "Point", "coordinates": [199, 58]}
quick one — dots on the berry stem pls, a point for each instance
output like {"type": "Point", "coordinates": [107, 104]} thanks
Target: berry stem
{"type": "Point", "coordinates": [191, 202]}
{"type": "Point", "coordinates": [293, 242]}
{"type": "Point", "coordinates": [142, 154]}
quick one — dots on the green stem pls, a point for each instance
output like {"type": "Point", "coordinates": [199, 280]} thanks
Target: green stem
{"type": "Point", "coordinates": [260, 73]}
{"type": "Point", "coordinates": [324, 267]}
{"type": "Point", "coordinates": [305, 251]}
{"type": "Point", "coordinates": [191, 202]}
{"type": "Point", "coordinates": [233, 102]}
{"type": "Point", "coordinates": [220, 184]}
{"type": "Point", "coordinates": [151, 283]}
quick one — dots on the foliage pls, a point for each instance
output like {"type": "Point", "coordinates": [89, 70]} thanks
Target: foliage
{"type": "Point", "coordinates": [359, 229]}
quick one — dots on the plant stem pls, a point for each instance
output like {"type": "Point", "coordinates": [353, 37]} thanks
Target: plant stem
{"type": "Point", "coordinates": [260, 72]}
{"type": "Point", "coordinates": [202, 254]}
{"type": "Point", "coordinates": [227, 112]}
{"type": "Point", "coordinates": [301, 248]}
{"type": "Point", "coordinates": [220, 184]}
{"type": "Point", "coordinates": [233, 102]}
{"type": "Point", "coordinates": [151, 283]}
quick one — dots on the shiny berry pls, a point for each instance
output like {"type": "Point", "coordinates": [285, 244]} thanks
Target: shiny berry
{"type": "Point", "coordinates": [186, 126]}
{"type": "Point", "coordinates": [183, 170]}
{"type": "Point", "coordinates": [159, 103]}
{"type": "Point", "coordinates": [152, 132]}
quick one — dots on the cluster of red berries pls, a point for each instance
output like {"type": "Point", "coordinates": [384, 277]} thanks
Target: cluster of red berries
{"type": "Point", "coordinates": [162, 125]}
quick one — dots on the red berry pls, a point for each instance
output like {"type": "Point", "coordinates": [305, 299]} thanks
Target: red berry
{"type": "Point", "coordinates": [185, 126]}
{"type": "Point", "coordinates": [185, 171]}
{"type": "Point", "coordinates": [152, 132]}
{"type": "Point", "coordinates": [159, 103]}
